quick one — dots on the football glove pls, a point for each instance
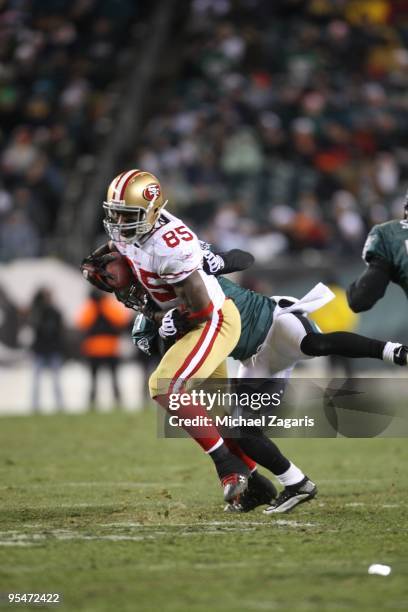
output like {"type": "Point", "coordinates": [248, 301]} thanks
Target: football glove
{"type": "Point", "coordinates": [93, 270]}
{"type": "Point", "coordinates": [226, 263]}
{"type": "Point", "coordinates": [174, 323]}
{"type": "Point", "coordinates": [213, 264]}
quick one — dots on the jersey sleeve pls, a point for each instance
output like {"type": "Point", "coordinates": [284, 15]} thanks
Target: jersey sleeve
{"type": "Point", "coordinates": [375, 246]}
{"type": "Point", "coordinates": [183, 261]}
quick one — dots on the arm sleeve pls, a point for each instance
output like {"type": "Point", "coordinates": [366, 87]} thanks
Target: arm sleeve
{"type": "Point", "coordinates": [363, 293]}
{"type": "Point", "coordinates": [228, 262]}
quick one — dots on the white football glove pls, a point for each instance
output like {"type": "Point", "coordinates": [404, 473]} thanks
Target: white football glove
{"type": "Point", "coordinates": [168, 327]}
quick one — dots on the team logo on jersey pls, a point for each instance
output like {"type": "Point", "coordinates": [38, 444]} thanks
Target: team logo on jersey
{"type": "Point", "coordinates": [151, 191]}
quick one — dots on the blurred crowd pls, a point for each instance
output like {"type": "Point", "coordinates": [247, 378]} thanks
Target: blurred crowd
{"type": "Point", "coordinates": [59, 62]}
{"type": "Point", "coordinates": [286, 128]}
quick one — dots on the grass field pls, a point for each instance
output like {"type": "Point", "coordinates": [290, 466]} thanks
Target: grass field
{"type": "Point", "coordinates": [97, 508]}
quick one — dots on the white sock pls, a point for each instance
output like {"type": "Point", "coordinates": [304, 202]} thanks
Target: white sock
{"type": "Point", "coordinates": [292, 476]}
{"type": "Point", "coordinates": [388, 352]}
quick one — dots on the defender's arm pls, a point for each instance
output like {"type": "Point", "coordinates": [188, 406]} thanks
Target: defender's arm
{"type": "Point", "coordinates": [363, 293]}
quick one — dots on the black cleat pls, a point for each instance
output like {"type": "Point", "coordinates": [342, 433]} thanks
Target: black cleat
{"type": "Point", "coordinates": [260, 492]}
{"type": "Point", "coordinates": [232, 472]}
{"type": "Point", "coordinates": [292, 496]}
{"type": "Point", "coordinates": [234, 485]}
{"type": "Point", "coordinates": [401, 355]}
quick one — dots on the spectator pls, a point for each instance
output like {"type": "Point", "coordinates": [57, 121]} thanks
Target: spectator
{"type": "Point", "coordinates": [9, 328]}
{"type": "Point", "coordinates": [101, 320]}
{"type": "Point", "coordinates": [48, 345]}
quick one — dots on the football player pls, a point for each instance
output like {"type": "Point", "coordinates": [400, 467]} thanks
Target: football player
{"type": "Point", "coordinates": [166, 258]}
{"type": "Point", "coordinates": [386, 255]}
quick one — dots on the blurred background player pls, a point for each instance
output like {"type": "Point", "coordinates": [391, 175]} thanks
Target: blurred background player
{"type": "Point", "coordinates": [386, 255]}
{"type": "Point", "coordinates": [102, 320]}
{"type": "Point", "coordinates": [47, 347]}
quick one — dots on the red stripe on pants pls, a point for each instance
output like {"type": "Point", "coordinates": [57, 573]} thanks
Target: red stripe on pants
{"type": "Point", "coordinates": [205, 435]}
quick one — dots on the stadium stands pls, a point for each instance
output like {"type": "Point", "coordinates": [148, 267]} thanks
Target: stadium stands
{"type": "Point", "coordinates": [287, 119]}
{"type": "Point", "coordinates": [61, 65]}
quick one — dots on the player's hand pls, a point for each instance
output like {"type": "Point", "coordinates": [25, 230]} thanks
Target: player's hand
{"type": "Point", "coordinates": [214, 263]}
{"type": "Point", "coordinates": [93, 270]}
{"type": "Point", "coordinates": [173, 324]}
{"type": "Point", "coordinates": [226, 263]}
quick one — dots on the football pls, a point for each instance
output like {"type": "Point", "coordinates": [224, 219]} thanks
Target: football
{"type": "Point", "coordinates": [119, 270]}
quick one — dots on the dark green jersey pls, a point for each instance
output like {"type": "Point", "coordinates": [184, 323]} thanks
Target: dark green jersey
{"type": "Point", "coordinates": [256, 312]}
{"type": "Point", "coordinates": [389, 242]}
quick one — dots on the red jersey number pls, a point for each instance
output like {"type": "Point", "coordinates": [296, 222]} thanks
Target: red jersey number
{"type": "Point", "coordinates": [159, 291]}
{"type": "Point", "coordinates": [172, 239]}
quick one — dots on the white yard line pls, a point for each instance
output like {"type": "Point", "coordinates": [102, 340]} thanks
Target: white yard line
{"type": "Point", "coordinates": [285, 523]}
{"type": "Point", "coordinates": [345, 480]}
{"type": "Point", "coordinates": [146, 532]}
{"type": "Point", "coordinates": [130, 484]}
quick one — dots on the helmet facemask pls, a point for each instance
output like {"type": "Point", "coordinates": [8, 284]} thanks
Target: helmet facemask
{"type": "Point", "coordinates": [140, 221]}
{"type": "Point", "coordinates": [132, 207]}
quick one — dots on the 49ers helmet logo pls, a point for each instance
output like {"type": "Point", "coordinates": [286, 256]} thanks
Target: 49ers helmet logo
{"type": "Point", "coordinates": [151, 191]}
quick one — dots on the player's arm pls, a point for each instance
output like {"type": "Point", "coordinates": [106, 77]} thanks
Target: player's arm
{"type": "Point", "coordinates": [194, 295]}
{"type": "Point", "coordinates": [197, 308]}
{"type": "Point", "coordinates": [215, 263]}
{"type": "Point", "coordinates": [364, 292]}
{"type": "Point", "coordinates": [372, 284]}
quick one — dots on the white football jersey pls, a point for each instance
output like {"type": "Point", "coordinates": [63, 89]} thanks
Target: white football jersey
{"type": "Point", "coordinates": [167, 256]}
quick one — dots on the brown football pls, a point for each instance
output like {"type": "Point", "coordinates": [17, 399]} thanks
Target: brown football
{"type": "Point", "coordinates": [119, 270]}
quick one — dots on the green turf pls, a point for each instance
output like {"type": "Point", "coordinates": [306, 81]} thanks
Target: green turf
{"type": "Point", "coordinates": [99, 509]}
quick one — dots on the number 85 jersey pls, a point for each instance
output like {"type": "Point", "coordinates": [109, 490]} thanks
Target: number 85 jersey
{"type": "Point", "coordinates": [168, 255]}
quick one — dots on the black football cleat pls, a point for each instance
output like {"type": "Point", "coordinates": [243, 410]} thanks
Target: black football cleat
{"type": "Point", "coordinates": [292, 496]}
{"type": "Point", "coordinates": [234, 485]}
{"type": "Point", "coordinates": [400, 356]}
{"type": "Point", "coordinates": [260, 492]}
